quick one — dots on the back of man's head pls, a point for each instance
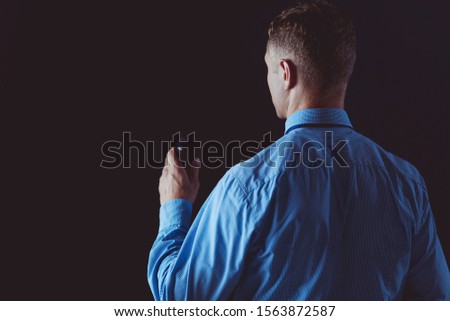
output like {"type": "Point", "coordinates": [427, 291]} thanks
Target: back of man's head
{"type": "Point", "coordinates": [320, 40]}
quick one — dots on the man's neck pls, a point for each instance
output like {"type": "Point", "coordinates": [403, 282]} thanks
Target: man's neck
{"type": "Point", "coordinates": [300, 102]}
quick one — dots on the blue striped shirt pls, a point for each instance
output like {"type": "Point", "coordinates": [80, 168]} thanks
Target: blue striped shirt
{"type": "Point", "coordinates": [322, 214]}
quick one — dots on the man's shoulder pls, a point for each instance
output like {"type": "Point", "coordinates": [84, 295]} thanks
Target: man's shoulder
{"type": "Point", "coordinates": [271, 161]}
{"type": "Point", "coordinates": [372, 154]}
{"type": "Point", "coordinates": [268, 164]}
{"type": "Point", "coordinates": [264, 167]}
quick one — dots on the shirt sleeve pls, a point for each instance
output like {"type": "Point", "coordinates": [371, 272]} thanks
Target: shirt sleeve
{"type": "Point", "coordinates": [428, 277]}
{"type": "Point", "coordinates": [205, 261]}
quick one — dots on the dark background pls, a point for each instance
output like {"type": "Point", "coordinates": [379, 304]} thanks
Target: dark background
{"type": "Point", "coordinates": [75, 74]}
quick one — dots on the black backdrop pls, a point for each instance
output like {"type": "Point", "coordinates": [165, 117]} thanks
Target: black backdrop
{"type": "Point", "coordinates": [75, 74]}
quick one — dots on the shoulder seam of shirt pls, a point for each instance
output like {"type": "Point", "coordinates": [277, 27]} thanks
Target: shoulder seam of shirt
{"type": "Point", "coordinates": [258, 183]}
{"type": "Point", "coordinates": [245, 198]}
{"type": "Point", "coordinates": [239, 183]}
{"type": "Point", "coordinates": [418, 181]}
{"type": "Point", "coordinates": [246, 192]}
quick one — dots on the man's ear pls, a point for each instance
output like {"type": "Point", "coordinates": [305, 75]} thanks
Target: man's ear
{"type": "Point", "coordinates": [288, 73]}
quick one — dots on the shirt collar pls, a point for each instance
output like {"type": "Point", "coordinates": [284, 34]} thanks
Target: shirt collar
{"type": "Point", "coordinates": [315, 117]}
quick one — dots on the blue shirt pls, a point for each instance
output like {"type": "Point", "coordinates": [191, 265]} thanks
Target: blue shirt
{"type": "Point", "coordinates": [322, 214]}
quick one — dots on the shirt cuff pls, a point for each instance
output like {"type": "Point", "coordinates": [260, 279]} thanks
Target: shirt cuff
{"type": "Point", "coordinates": [175, 212]}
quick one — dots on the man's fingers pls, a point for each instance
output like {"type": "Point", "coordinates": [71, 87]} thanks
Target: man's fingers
{"type": "Point", "coordinates": [172, 158]}
{"type": "Point", "coordinates": [171, 161]}
{"type": "Point", "coordinates": [174, 165]}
